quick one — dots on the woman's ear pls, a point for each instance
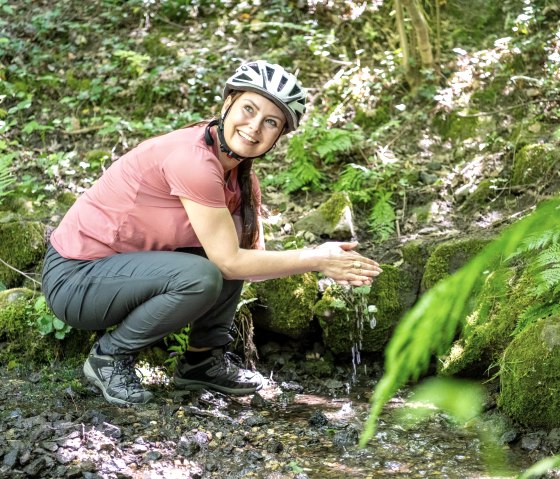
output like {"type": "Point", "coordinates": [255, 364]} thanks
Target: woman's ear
{"type": "Point", "coordinates": [227, 104]}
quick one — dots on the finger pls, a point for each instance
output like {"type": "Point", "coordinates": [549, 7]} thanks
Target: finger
{"type": "Point", "coordinates": [348, 246]}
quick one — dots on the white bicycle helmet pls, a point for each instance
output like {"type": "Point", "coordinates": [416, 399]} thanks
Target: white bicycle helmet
{"type": "Point", "coordinates": [273, 82]}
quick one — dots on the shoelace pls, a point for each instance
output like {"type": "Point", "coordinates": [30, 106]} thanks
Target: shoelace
{"type": "Point", "coordinates": [127, 369]}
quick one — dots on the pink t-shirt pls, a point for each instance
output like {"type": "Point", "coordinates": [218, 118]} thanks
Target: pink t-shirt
{"type": "Point", "coordinates": [135, 205]}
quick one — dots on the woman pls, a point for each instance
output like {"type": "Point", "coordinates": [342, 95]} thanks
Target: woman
{"type": "Point", "coordinates": [168, 234]}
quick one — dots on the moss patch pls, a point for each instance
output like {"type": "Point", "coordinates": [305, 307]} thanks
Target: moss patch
{"type": "Point", "coordinates": [22, 245]}
{"type": "Point", "coordinates": [449, 257]}
{"type": "Point", "coordinates": [332, 218]}
{"type": "Point", "coordinates": [533, 163]}
{"type": "Point", "coordinates": [20, 340]}
{"type": "Point", "coordinates": [488, 331]}
{"type": "Point", "coordinates": [287, 304]}
{"type": "Point", "coordinates": [344, 323]}
{"type": "Point", "coordinates": [530, 377]}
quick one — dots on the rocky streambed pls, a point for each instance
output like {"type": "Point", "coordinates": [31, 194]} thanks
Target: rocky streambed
{"type": "Point", "coordinates": [53, 425]}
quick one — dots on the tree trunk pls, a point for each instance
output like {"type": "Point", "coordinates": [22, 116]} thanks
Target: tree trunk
{"type": "Point", "coordinates": [420, 26]}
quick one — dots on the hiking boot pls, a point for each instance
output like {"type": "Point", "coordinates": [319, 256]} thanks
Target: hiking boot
{"type": "Point", "coordinates": [221, 372]}
{"type": "Point", "coordinates": [116, 377]}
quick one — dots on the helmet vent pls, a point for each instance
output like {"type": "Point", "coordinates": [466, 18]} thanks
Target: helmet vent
{"type": "Point", "coordinates": [282, 83]}
{"type": "Point", "coordinates": [244, 76]}
{"type": "Point", "coordinates": [295, 90]}
{"type": "Point", "coordinates": [254, 67]}
{"type": "Point", "coordinates": [269, 73]}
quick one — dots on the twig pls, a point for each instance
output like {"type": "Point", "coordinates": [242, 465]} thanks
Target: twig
{"type": "Point", "coordinates": [18, 271]}
{"type": "Point", "coordinates": [83, 130]}
{"type": "Point", "coordinates": [513, 107]}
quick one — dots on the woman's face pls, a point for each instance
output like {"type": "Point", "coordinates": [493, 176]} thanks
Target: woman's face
{"type": "Point", "coordinates": [253, 124]}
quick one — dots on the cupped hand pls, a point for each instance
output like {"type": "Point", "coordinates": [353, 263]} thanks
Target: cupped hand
{"type": "Point", "coordinates": [346, 266]}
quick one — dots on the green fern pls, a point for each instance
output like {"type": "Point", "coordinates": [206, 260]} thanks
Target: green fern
{"type": "Point", "coordinates": [430, 326]}
{"type": "Point", "coordinates": [311, 150]}
{"type": "Point", "coordinates": [6, 177]}
{"type": "Point", "coordinates": [382, 217]}
{"type": "Point", "coordinates": [355, 180]}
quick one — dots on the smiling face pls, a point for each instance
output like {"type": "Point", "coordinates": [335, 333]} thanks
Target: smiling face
{"type": "Point", "coordinates": [253, 124]}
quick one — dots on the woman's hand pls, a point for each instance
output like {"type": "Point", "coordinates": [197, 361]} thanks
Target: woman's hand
{"type": "Point", "coordinates": [346, 266]}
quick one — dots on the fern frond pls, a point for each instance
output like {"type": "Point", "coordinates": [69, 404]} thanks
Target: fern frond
{"type": "Point", "coordinates": [352, 178]}
{"type": "Point", "coordinates": [382, 217]}
{"type": "Point", "coordinates": [550, 255]}
{"type": "Point", "coordinates": [534, 313]}
{"type": "Point", "coordinates": [535, 242]}
{"type": "Point", "coordinates": [548, 279]}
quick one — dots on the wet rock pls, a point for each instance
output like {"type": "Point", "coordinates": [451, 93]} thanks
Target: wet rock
{"type": "Point", "coordinates": [531, 442]}
{"type": "Point", "coordinates": [318, 419]}
{"type": "Point", "coordinates": [36, 466]}
{"type": "Point", "coordinates": [553, 438]}
{"type": "Point", "coordinates": [188, 447]}
{"type": "Point", "coordinates": [508, 437]}
{"type": "Point", "coordinates": [256, 420]}
{"type": "Point", "coordinates": [291, 386]}
{"type": "Point", "coordinates": [275, 447]}
{"type": "Point", "coordinates": [10, 459]}
{"type": "Point", "coordinates": [111, 430]}
{"type": "Point", "coordinates": [152, 456]}
{"type": "Point", "coordinates": [346, 438]}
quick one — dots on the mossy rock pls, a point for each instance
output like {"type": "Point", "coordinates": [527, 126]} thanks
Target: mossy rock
{"type": "Point", "coordinates": [530, 375]}
{"type": "Point", "coordinates": [287, 305]}
{"type": "Point", "coordinates": [22, 246]}
{"type": "Point", "coordinates": [333, 219]}
{"type": "Point", "coordinates": [456, 127]}
{"type": "Point", "coordinates": [488, 330]}
{"type": "Point", "coordinates": [20, 339]}
{"type": "Point", "coordinates": [448, 257]}
{"type": "Point", "coordinates": [392, 293]}
{"type": "Point", "coordinates": [533, 163]}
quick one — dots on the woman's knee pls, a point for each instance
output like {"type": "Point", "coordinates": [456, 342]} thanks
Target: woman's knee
{"type": "Point", "coordinates": [203, 276]}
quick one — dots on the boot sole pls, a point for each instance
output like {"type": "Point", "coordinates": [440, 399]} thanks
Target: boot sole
{"type": "Point", "coordinates": [197, 385]}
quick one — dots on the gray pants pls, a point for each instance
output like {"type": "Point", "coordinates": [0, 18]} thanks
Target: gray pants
{"type": "Point", "coordinates": [147, 295]}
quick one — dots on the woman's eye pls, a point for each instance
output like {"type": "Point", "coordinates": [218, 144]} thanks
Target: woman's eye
{"type": "Point", "coordinates": [272, 123]}
{"type": "Point", "coordinates": [248, 109]}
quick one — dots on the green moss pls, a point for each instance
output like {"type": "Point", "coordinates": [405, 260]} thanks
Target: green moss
{"type": "Point", "coordinates": [333, 209]}
{"type": "Point", "coordinates": [456, 127]}
{"type": "Point", "coordinates": [479, 197]}
{"type": "Point", "coordinates": [77, 84]}
{"type": "Point", "coordinates": [392, 294]}
{"type": "Point", "coordinates": [488, 330]}
{"type": "Point", "coordinates": [65, 200]}
{"type": "Point", "coordinates": [22, 245]}
{"type": "Point", "coordinates": [530, 375]}
{"type": "Point", "coordinates": [533, 163]}
{"type": "Point", "coordinates": [415, 253]}
{"type": "Point", "coordinates": [23, 344]}
{"type": "Point", "coordinates": [287, 304]}
{"type": "Point", "coordinates": [449, 257]}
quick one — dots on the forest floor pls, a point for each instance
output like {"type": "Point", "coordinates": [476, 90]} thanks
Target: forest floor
{"type": "Point", "coordinates": [54, 425]}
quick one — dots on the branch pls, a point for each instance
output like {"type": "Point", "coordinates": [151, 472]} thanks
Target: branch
{"type": "Point", "coordinates": [18, 271]}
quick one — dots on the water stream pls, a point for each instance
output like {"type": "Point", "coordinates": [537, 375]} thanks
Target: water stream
{"type": "Point", "coordinates": [319, 435]}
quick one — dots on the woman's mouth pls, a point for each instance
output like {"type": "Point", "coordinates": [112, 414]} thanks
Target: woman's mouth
{"type": "Point", "coordinates": [247, 137]}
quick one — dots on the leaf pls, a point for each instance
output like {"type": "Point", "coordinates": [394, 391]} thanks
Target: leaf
{"type": "Point", "coordinates": [541, 467]}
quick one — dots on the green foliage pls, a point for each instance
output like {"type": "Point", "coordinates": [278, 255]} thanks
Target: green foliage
{"type": "Point", "coordinates": [6, 177]}
{"type": "Point", "coordinates": [543, 466]}
{"type": "Point", "coordinates": [313, 149]}
{"type": "Point", "coordinates": [47, 322]}
{"type": "Point", "coordinates": [430, 326]}
{"type": "Point", "coordinates": [382, 217]}
{"type": "Point", "coordinates": [177, 344]}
